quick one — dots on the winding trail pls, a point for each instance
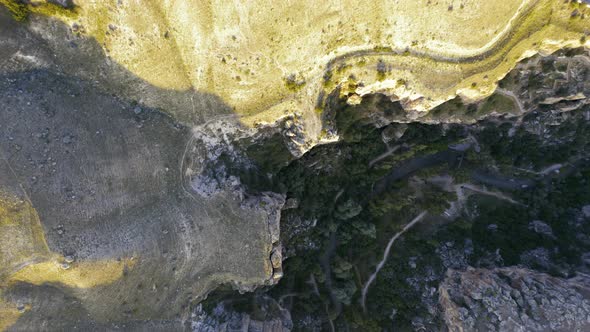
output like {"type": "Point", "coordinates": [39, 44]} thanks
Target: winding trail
{"type": "Point", "coordinates": [384, 155]}
{"type": "Point", "coordinates": [386, 255]}
{"type": "Point", "coordinates": [460, 190]}
{"type": "Point", "coordinates": [325, 263]}
{"type": "Point", "coordinates": [514, 97]}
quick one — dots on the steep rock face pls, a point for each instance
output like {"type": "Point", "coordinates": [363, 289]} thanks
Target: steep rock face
{"type": "Point", "coordinates": [514, 299]}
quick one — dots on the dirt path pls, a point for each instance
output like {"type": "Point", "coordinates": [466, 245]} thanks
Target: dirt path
{"type": "Point", "coordinates": [386, 255]}
{"type": "Point", "coordinates": [515, 98]}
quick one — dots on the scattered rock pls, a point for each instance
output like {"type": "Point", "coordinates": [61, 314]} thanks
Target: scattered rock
{"type": "Point", "coordinates": [291, 203]}
{"type": "Point", "coordinates": [412, 262]}
{"type": "Point", "coordinates": [540, 227]}
{"type": "Point", "coordinates": [575, 13]}
{"type": "Point", "coordinates": [536, 258]}
{"type": "Point", "coordinates": [455, 256]}
{"type": "Point", "coordinates": [67, 139]}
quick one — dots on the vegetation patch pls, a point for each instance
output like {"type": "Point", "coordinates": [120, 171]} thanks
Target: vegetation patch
{"type": "Point", "coordinates": [21, 11]}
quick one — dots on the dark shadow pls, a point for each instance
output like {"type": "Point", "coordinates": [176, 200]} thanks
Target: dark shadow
{"type": "Point", "coordinates": [103, 172]}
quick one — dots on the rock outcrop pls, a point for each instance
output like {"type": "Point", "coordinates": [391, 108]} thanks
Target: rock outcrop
{"type": "Point", "coordinates": [514, 299]}
{"type": "Point", "coordinates": [272, 319]}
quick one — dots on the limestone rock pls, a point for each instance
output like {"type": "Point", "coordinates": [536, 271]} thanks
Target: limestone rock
{"type": "Point", "coordinates": [514, 299]}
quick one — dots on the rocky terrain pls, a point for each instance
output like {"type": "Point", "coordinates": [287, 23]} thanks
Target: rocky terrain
{"type": "Point", "coordinates": [514, 299]}
{"type": "Point", "coordinates": [250, 174]}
